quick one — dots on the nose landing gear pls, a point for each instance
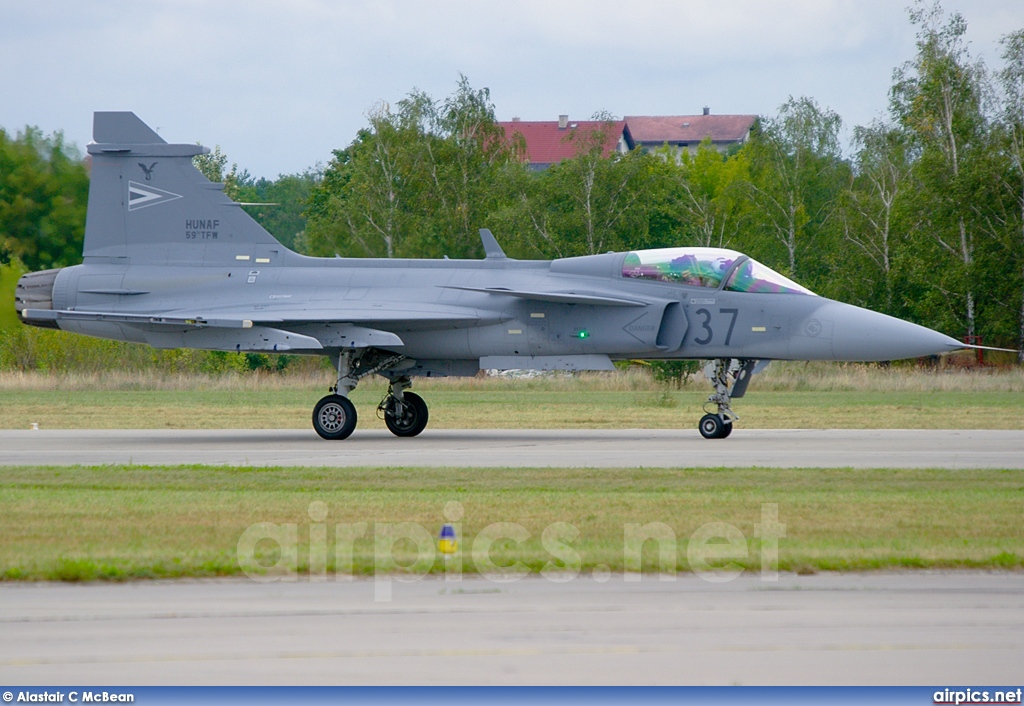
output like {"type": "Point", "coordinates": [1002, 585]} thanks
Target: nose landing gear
{"type": "Point", "coordinates": [717, 424]}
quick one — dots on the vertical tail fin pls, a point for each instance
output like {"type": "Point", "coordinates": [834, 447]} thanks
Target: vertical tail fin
{"type": "Point", "coordinates": [148, 203]}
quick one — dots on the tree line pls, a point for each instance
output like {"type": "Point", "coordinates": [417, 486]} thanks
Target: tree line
{"type": "Point", "coordinates": [923, 218]}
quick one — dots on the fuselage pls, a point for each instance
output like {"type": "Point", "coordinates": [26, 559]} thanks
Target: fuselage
{"type": "Point", "coordinates": [454, 309]}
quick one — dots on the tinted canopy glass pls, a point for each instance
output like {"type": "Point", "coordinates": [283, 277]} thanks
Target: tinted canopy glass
{"type": "Point", "coordinates": [707, 267]}
{"type": "Point", "coordinates": [699, 267]}
{"type": "Point", "coordinates": [752, 276]}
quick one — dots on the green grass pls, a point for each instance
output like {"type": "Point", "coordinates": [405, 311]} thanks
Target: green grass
{"type": "Point", "coordinates": [785, 396]}
{"type": "Point", "coordinates": [122, 522]}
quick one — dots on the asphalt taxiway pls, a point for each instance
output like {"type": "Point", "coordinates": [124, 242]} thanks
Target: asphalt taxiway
{"type": "Point", "coordinates": [903, 628]}
{"type": "Point", "coordinates": [594, 448]}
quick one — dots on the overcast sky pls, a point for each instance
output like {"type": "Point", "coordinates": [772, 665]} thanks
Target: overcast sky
{"type": "Point", "coordinates": [279, 84]}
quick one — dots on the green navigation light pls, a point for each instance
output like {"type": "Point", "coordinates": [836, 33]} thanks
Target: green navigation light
{"type": "Point", "coordinates": [583, 334]}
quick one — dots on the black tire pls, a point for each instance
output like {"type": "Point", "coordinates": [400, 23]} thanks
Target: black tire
{"type": "Point", "coordinates": [726, 430]}
{"type": "Point", "coordinates": [334, 418]}
{"type": "Point", "coordinates": [411, 420]}
{"type": "Point", "coordinates": [712, 426]}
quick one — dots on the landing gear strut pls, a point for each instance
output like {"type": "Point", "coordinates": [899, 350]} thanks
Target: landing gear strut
{"type": "Point", "coordinates": [718, 424]}
{"type": "Point", "coordinates": [404, 413]}
{"type": "Point", "coordinates": [334, 416]}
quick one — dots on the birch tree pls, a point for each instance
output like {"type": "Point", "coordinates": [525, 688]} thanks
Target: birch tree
{"type": "Point", "coordinates": [937, 97]}
{"type": "Point", "coordinates": [706, 186]}
{"type": "Point", "coordinates": [794, 171]}
{"type": "Point", "coordinates": [1011, 123]}
{"type": "Point", "coordinates": [870, 214]}
{"type": "Point", "coordinates": [588, 204]}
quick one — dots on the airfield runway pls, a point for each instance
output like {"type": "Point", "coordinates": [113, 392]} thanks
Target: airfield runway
{"type": "Point", "coordinates": [594, 448]}
{"type": "Point", "coordinates": [904, 628]}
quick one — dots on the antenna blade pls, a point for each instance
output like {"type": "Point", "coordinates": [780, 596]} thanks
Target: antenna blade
{"type": "Point", "coordinates": [491, 248]}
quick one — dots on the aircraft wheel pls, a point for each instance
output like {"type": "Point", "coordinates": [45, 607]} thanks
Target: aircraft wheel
{"type": "Point", "coordinates": [411, 420]}
{"type": "Point", "coordinates": [712, 426]}
{"type": "Point", "coordinates": [334, 417]}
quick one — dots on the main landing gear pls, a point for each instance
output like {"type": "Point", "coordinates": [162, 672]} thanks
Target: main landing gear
{"type": "Point", "coordinates": [718, 424]}
{"type": "Point", "coordinates": [334, 417]}
{"type": "Point", "coordinates": [405, 413]}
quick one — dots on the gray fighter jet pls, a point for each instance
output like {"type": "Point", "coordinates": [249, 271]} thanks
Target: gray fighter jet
{"type": "Point", "coordinates": [170, 261]}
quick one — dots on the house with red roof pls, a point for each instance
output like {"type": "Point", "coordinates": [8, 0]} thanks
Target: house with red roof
{"type": "Point", "coordinates": [688, 131]}
{"type": "Point", "coordinates": [550, 141]}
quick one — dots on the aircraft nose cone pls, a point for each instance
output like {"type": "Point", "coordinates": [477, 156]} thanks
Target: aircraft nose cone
{"type": "Point", "coordinates": [864, 335]}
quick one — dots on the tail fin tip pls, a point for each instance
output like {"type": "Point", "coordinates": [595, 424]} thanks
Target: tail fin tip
{"type": "Point", "coordinates": [122, 128]}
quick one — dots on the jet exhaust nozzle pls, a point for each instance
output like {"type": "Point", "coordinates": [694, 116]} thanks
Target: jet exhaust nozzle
{"type": "Point", "coordinates": [35, 291]}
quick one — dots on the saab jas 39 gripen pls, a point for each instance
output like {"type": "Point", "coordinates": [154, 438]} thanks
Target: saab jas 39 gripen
{"type": "Point", "coordinates": [172, 262]}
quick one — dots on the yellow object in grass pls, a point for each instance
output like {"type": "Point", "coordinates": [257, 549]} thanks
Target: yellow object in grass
{"type": "Point", "coordinates": [448, 544]}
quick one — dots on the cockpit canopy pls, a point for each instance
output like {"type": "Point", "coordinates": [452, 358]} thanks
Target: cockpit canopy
{"type": "Point", "coordinates": [708, 267]}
